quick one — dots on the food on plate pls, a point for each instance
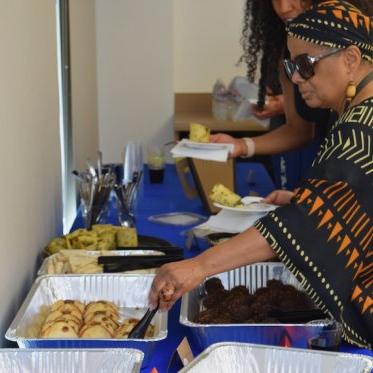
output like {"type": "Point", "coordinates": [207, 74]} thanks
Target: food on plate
{"type": "Point", "coordinates": [238, 305]}
{"type": "Point", "coordinates": [101, 237]}
{"type": "Point", "coordinates": [199, 133]}
{"type": "Point", "coordinates": [221, 194]}
{"type": "Point", "coordinates": [73, 319]}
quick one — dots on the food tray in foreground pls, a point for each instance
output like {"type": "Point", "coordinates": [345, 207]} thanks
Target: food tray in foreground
{"type": "Point", "coordinates": [66, 361]}
{"type": "Point", "coordinates": [250, 358]}
{"type": "Point", "coordinates": [128, 292]}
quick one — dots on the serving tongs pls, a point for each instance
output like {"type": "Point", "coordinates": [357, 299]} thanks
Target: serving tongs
{"type": "Point", "coordinates": [139, 330]}
{"type": "Point", "coordinates": [297, 316]}
{"type": "Point", "coordinates": [131, 263]}
{"type": "Point", "coordinates": [168, 250]}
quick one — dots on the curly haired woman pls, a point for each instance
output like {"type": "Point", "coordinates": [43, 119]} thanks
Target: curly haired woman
{"type": "Point", "coordinates": [264, 39]}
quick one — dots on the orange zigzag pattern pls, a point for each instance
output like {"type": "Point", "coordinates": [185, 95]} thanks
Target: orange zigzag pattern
{"type": "Point", "coordinates": [347, 211]}
{"type": "Point", "coordinates": [348, 13]}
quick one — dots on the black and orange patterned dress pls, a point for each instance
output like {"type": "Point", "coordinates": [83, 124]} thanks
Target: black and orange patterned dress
{"type": "Point", "coordinates": [325, 235]}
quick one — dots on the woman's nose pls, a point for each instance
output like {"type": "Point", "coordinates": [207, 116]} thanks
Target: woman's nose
{"type": "Point", "coordinates": [285, 6]}
{"type": "Point", "coordinates": [297, 78]}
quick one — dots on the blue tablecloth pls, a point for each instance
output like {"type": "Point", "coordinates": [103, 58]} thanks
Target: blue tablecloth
{"type": "Point", "coordinates": [169, 197]}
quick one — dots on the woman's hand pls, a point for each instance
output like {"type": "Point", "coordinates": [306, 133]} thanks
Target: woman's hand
{"type": "Point", "coordinates": [173, 280]}
{"type": "Point", "coordinates": [279, 197]}
{"type": "Point", "coordinates": [239, 149]}
{"type": "Point", "coordinates": [274, 106]}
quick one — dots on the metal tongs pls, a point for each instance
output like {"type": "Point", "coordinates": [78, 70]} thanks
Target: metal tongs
{"type": "Point", "coordinates": [139, 330]}
{"type": "Point", "coordinates": [113, 264]}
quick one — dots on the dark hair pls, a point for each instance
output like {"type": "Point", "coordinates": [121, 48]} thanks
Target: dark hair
{"type": "Point", "coordinates": [264, 37]}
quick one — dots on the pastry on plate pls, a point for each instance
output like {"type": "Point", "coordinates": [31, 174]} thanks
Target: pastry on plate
{"type": "Point", "coordinates": [199, 133]}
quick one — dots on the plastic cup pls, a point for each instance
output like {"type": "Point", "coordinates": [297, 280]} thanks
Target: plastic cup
{"type": "Point", "coordinates": [156, 164]}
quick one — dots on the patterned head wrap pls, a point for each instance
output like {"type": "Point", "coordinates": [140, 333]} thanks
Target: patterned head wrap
{"type": "Point", "coordinates": [335, 24]}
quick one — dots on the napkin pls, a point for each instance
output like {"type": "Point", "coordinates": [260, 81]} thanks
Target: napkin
{"type": "Point", "coordinates": [231, 221]}
{"type": "Point", "coordinates": [207, 151]}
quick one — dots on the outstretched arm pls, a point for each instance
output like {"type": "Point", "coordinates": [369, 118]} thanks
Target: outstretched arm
{"type": "Point", "coordinates": [175, 279]}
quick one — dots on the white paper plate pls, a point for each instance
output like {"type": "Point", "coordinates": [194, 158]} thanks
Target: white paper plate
{"type": "Point", "coordinates": [251, 204]}
{"type": "Point", "coordinates": [204, 145]}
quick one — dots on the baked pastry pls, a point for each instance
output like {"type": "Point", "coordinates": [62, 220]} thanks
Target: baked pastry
{"type": "Point", "coordinates": [199, 133]}
{"type": "Point", "coordinates": [71, 322]}
{"type": "Point", "coordinates": [66, 304]}
{"type": "Point", "coordinates": [224, 196]}
{"type": "Point", "coordinates": [59, 329]}
{"type": "Point", "coordinates": [125, 328]}
{"type": "Point", "coordinates": [68, 314]}
{"type": "Point", "coordinates": [126, 237]}
{"type": "Point", "coordinates": [106, 318]}
{"type": "Point", "coordinates": [95, 330]}
{"type": "Point", "coordinates": [101, 305]}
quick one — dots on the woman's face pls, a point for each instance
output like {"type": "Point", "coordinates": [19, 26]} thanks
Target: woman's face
{"type": "Point", "coordinates": [326, 88]}
{"type": "Point", "coordinates": [289, 9]}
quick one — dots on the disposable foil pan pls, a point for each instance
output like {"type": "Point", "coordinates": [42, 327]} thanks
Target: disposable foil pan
{"type": "Point", "coordinates": [43, 270]}
{"type": "Point", "coordinates": [250, 358]}
{"type": "Point", "coordinates": [68, 361]}
{"type": "Point", "coordinates": [253, 277]}
{"type": "Point", "coordinates": [128, 292]}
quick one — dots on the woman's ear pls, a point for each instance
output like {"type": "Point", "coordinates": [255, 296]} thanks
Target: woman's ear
{"type": "Point", "coordinates": [352, 57]}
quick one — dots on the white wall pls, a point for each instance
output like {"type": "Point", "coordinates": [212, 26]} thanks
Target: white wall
{"type": "Point", "coordinates": [30, 194]}
{"type": "Point", "coordinates": [206, 43]}
{"type": "Point", "coordinates": [147, 50]}
{"type": "Point", "coordinates": [135, 73]}
{"type": "Point", "coordinates": [83, 81]}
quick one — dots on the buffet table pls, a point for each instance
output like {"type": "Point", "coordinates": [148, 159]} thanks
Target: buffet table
{"type": "Point", "coordinates": [169, 197]}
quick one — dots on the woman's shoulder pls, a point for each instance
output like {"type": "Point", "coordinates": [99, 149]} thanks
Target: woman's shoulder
{"type": "Point", "coordinates": [361, 113]}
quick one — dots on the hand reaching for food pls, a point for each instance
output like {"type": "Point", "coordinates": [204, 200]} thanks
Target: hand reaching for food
{"type": "Point", "coordinates": [172, 281]}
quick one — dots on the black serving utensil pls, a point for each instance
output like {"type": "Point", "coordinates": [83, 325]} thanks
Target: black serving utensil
{"type": "Point", "coordinates": [168, 250]}
{"type": "Point", "coordinates": [120, 259]}
{"type": "Point", "coordinates": [297, 316]}
{"type": "Point", "coordinates": [113, 264]}
{"type": "Point", "coordinates": [118, 268]}
{"type": "Point", "coordinates": [139, 330]}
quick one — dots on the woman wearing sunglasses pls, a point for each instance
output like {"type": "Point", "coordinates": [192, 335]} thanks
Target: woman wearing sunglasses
{"type": "Point", "coordinates": [264, 34]}
{"type": "Point", "coordinates": [325, 234]}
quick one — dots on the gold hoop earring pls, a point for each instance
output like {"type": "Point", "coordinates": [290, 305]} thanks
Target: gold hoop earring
{"type": "Point", "coordinates": [350, 93]}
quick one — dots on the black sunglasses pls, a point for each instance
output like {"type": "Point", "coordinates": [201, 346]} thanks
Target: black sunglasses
{"type": "Point", "coordinates": [304, 64]}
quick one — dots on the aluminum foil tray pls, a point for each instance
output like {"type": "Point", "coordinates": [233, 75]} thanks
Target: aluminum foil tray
{"type": "Point", "coordinates": [43, 268]}
{"type": "Point", "coordinates": [129, 292]}
{"type": "Point", "coordinates": [249, 358]}
{"type": "Point", "coordinates": [253, 277]}
{"type": "Point", "coordinates": [69, 361]}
